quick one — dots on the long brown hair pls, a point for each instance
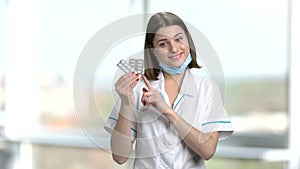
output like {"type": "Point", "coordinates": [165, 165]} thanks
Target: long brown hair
{"type": "Point", "coordinates": [157, 21]}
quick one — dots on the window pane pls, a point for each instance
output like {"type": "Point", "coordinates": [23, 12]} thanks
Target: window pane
{"type": "Point", "coordinates": [62, 37]}
{"type": "Point", "coordinates": [3, 54]}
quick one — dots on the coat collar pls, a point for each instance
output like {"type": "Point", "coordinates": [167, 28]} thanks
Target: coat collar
{"type": "Point", "coordinates": [188, 86]}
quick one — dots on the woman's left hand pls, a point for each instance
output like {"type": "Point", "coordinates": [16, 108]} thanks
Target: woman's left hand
{"type": "Point", "coordinates": [152, 97]}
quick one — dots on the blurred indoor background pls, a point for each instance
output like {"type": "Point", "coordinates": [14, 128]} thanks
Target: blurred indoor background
{"type": "Point", "coordinates": [41, 41]}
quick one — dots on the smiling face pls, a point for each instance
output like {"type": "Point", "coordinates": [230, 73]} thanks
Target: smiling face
{"type": "Point", "coordinates": [168, 41]}
{"type": "Point", "coordinates": [171, 46]}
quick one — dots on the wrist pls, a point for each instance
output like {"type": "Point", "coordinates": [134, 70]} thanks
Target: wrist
{"type": "Point", "coordinates": [125, 108]}
{"type": "Point", "coordinates": [170, 114]}
{"type": "Point", "coordinates": [167, 111]}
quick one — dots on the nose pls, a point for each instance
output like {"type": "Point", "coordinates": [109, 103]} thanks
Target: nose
{"type": "Point", "coordinates": [174, 46]}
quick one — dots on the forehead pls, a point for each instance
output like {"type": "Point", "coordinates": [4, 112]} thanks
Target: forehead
{"type": "Point", "coordinates": [169, 31]}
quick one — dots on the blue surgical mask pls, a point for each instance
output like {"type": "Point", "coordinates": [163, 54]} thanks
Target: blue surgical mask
{"type": "Point", "coordinates": [179, 70]}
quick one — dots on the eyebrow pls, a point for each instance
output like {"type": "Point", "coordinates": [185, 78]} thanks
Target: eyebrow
{"type": "Point", "coordinates": [167, 39]}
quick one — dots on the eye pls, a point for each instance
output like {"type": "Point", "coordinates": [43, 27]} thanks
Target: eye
{"type": "Point", "coordinates": [163, 44]}
{"type": "Point", "coordinates": [178, 39]}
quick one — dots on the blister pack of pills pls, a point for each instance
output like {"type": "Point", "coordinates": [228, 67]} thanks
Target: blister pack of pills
{"type": "Point", "coordinates": [134, 65]}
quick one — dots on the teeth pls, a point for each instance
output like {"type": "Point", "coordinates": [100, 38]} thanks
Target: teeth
{"type": "Point", "coordinates": [174, 56]}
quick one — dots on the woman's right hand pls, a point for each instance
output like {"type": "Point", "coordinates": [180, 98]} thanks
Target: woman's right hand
{"type": "Point", "coordinates": [125, 85]}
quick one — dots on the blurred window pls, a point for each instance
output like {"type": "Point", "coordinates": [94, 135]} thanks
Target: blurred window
{"type": "Point", "coordinates": [39, 57]}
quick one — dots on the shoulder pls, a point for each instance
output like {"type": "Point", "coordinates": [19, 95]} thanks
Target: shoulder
{"type": "Point", "coordinates": [206, 86]}
{"type": "Point", "coordinates": [204, 82]}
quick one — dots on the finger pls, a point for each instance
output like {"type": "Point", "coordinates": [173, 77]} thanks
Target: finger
{"type": "Point", "coordinates": [145, 90]}
{"type": "Point", "coordinates": [129, 84]}
{"type": "Point", "coordinates": [126, 79]}
{"type": "Point", "coordinates": [147, 83]}
{"type": "Point", "coordinates": [147, 94]}
{"type": "Point", "coordinates": [146, 102]}
{"type": "Point", "coordinates": [133, 83]}
{"type": "Point", "coordinates": [126, 82]}
{"type": "Point", "coordinates": [143, 100]}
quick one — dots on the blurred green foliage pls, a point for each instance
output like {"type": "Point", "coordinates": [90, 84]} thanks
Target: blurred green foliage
{"type": "Point", "coordinates": [217, 163]}
{"type": "Point", "coordinates": [256, 95]}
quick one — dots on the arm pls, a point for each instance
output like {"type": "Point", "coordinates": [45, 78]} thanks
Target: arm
{"type": "Point", "coordinates": [120, 142]}
{"type": "Point", "coordinates": [204, 144]}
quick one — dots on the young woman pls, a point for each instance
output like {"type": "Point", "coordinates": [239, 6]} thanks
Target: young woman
{"type": "Point", "coordinates": [175, 118]}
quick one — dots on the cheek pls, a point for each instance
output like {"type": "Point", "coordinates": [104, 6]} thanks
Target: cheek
{"type": "Point", "coordinates": [187, 49]}
{"type": "Point", "coordinates": [185, 46]}
{"type": "Point", "coordinates": [160, 58]}
{"type": "Point", "coordinates": [160, 53]}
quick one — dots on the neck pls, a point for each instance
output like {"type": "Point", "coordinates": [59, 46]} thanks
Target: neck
{"type": "Point", "coordinates": [177, 77]}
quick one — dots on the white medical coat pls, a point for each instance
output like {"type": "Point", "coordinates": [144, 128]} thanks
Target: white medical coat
{"type": "Point", "coordinates": [158, 144]}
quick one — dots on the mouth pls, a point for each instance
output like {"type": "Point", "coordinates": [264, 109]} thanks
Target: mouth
{"type": "Point", "coordinates": [176, 56]}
